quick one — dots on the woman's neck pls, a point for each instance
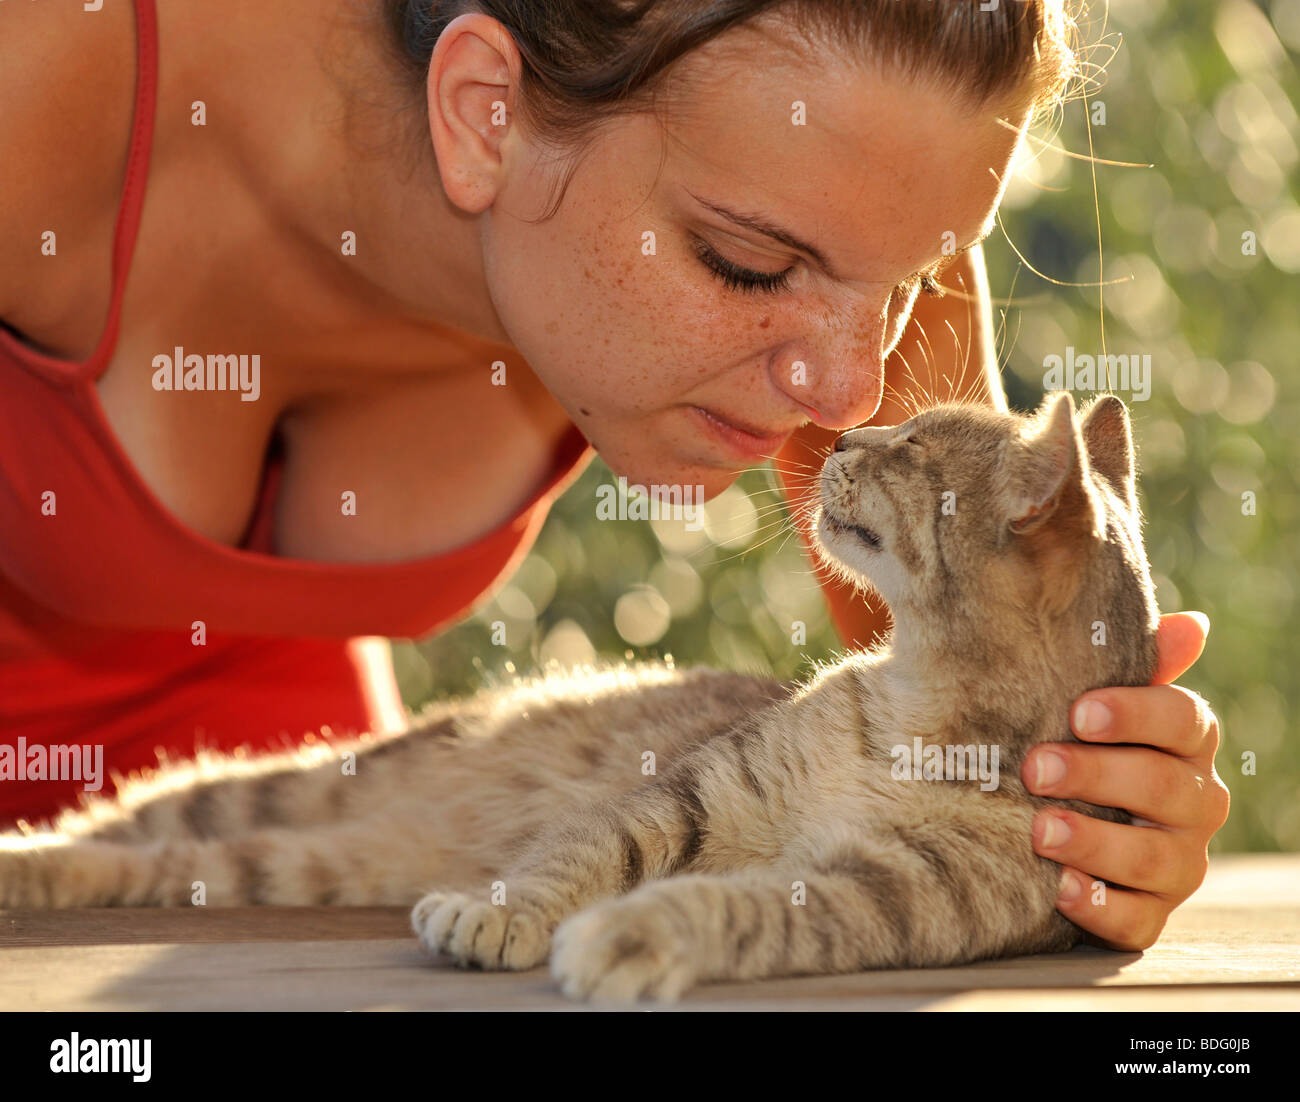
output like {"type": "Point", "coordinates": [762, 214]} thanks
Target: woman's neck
{"type": "Point", "coordinates": [334, 136]}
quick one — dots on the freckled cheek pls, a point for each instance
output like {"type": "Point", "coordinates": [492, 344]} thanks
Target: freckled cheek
{"type": "Point", "coordinates": [605, 331]}
{"type": "Point", "coordinates": [610, 327]}
{"type": "Point", "coordinates": [664, 305]}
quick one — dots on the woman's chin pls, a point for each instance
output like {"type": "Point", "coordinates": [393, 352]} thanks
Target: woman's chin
{"type": "Point", "coordinates": [691, 481]}
{"type": "Point", "coordinates": [665, 466]}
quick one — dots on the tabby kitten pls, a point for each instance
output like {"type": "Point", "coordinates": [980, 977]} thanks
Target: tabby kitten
{"type": "Point", "coordinates": [647, 828]}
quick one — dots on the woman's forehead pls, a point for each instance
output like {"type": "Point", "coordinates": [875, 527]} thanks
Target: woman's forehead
{"type": "Point", "coordinates": [885, 166]}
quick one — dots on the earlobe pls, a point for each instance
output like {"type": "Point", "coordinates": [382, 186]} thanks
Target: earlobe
{"type": "Point", "coordinates": [471, 87]}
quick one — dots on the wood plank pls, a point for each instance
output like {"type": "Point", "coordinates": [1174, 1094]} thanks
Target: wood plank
{"type": "Point", "coordinates": [143, 925]}
{"type": "Point", "coordinates": [394, 975]}
{"type": "Point", "coordinates": [1234, 945]}
{"type": "Point", "coordinates": [357, 974]}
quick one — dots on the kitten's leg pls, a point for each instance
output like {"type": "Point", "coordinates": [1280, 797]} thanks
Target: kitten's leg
{"type": "Point", "coordinates": [331, 865]}
{"type": "Point", "coordinates": [723, 801]}
{"type": "Point", "coordinates": [875, 908]}
{"type": "Point", "coordinates": [508, 923]}
{"type": "Point", "coordinates": [593, 853]}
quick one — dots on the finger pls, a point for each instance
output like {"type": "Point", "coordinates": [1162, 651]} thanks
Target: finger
{"type": "Point", "coordinates": [1168, 717]}
{"type": "Point", "coordinates": [1145, 858]}
{"type": "Point", "coordinates": [1125, 920]}
{"type": "Point", "coordinates": [1144, 782]}
{"type": "Point", "coordinates": [1180, 639]}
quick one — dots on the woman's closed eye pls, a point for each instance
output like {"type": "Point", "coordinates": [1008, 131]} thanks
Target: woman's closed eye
{"type": "Point", "coordinates": [736, 277]}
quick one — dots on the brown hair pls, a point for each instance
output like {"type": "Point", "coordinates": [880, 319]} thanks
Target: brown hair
{"type": "Point", "coordinates": [586, 61]}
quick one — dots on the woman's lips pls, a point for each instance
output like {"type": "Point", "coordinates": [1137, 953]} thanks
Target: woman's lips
{"type": "Point", "coordinates": [747, 442]}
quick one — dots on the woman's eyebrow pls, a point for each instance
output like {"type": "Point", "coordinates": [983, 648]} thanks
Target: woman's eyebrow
{"type": "Point", "coordinates": [777, 233]}
{"type": "Point", "coordinates": [768, 229]}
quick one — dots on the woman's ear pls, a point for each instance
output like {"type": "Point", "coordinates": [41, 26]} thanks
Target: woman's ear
{"type": "Point", "coordinates": [472, 86]}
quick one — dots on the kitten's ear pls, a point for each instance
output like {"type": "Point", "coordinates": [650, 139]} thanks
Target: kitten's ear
{"type": "Point", "coordinates": [1052, 479]}
{"type": "Point", "coordinates": [1109, 440]}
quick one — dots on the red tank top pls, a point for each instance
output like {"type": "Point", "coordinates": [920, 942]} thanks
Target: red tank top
{"type": "Point", "coordinates": [101, 587]}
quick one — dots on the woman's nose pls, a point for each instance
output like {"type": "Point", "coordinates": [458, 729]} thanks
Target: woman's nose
{"type": "Point", "coordinates": [838, 371]}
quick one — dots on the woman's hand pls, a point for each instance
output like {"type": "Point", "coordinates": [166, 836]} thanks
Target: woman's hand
{"type": "Point", "coordinates": [1168, 783]}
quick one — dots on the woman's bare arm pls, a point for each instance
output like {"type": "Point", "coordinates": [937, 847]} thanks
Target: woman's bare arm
{"type": "Point", "coordinates": [67, 79]}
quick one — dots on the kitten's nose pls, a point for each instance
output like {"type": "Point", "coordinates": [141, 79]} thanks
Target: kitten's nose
{"type": "Point", "coordinates": [856, 438]}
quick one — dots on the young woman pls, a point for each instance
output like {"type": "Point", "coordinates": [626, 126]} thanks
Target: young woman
{"type": "Point", "coordinates": [459, 247]}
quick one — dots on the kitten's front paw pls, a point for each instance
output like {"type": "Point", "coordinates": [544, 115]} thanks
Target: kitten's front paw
{"type": "Point", "coordinates": [471, 931]}
{"type": "Point", "coordinates": [624, 950]}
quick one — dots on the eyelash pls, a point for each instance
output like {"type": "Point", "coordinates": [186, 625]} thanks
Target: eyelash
{"type": "Point", "coordinates": [747, 280]}
{"type": "Point", "coordinates": [927, 283]}
{"type": "Point", "coordinates": [737, 278]}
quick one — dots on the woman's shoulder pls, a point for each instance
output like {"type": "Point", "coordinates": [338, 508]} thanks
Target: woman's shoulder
{"type": "Point", "coordinates": [67, 78]}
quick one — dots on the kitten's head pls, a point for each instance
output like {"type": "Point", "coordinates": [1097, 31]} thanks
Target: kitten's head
{"type": "Point", "coordinates": [998, 525]}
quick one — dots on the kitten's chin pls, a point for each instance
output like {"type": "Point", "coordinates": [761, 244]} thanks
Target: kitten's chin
{"type": "Point", "coordinates": [835, 533]}
{"type": "Point", "coordinates": [851, 549]}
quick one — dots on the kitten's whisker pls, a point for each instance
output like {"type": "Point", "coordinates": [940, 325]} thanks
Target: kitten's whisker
{"type": "Point", "coordinates": [756, 545]}
{"type": "Point", "coordinates": [931, 358]}
{"type": "Point", "coordinates": [774, 524]}
{"type": "Point", "coordinates": [914, 399]}
{"type": "Point", "coordinates": [798, 464]}
{"type": "Point", "coordinates": [960, 394]}
{"type": "Point", "coordinates": [904, 398]}
{"type": "Point", "coordinates": [773, 510]}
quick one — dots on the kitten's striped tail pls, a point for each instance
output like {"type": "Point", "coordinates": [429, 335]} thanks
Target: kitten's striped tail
{"type": "Point", "coordinates": [217, 797]}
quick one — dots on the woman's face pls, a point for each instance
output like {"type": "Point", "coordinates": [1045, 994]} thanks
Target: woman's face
{"type": "Point", "coordinates": [675, 376]}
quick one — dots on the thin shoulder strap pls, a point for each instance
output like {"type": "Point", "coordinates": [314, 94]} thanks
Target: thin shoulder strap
{"type": "Point", "coordinates": [137, 173]}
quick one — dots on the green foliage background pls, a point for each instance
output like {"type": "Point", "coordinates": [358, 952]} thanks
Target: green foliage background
{"type": "Point", "coordinates": [1206, 93]}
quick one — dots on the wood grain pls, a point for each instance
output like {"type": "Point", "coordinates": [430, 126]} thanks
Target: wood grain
{"type": "Point", "coordinates": [1234, 945]}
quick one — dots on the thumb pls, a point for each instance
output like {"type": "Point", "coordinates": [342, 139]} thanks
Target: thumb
{"type": "Point", "coordinates": [1180, 639]}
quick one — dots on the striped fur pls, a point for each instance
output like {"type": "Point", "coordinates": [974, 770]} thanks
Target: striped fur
{"type": "Point", "coordinates": [648, 828]}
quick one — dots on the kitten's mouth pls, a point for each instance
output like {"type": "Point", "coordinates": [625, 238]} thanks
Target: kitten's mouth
{"type": "Point", "coordinates": [834, 525]}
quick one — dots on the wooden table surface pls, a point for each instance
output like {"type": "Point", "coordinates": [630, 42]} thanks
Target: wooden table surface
{"type": "Point", "coordinates": [1235, 945]}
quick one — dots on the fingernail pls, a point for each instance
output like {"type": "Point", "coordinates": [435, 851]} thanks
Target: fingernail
{"type": "Point", "coordinates": [1070, 887]}
{"type": "Point", "coordinates": [1091, 717]}
{"type": "Point", "coordinates": [1203, 620]}
{"type": "Point", "coordinates": [1056, 832]}
{"type": "Point", "coordinates": [1051, 770]}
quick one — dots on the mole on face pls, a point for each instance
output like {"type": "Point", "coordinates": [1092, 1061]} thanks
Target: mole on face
{"type": "Point", "coordinates": [765, 323]}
